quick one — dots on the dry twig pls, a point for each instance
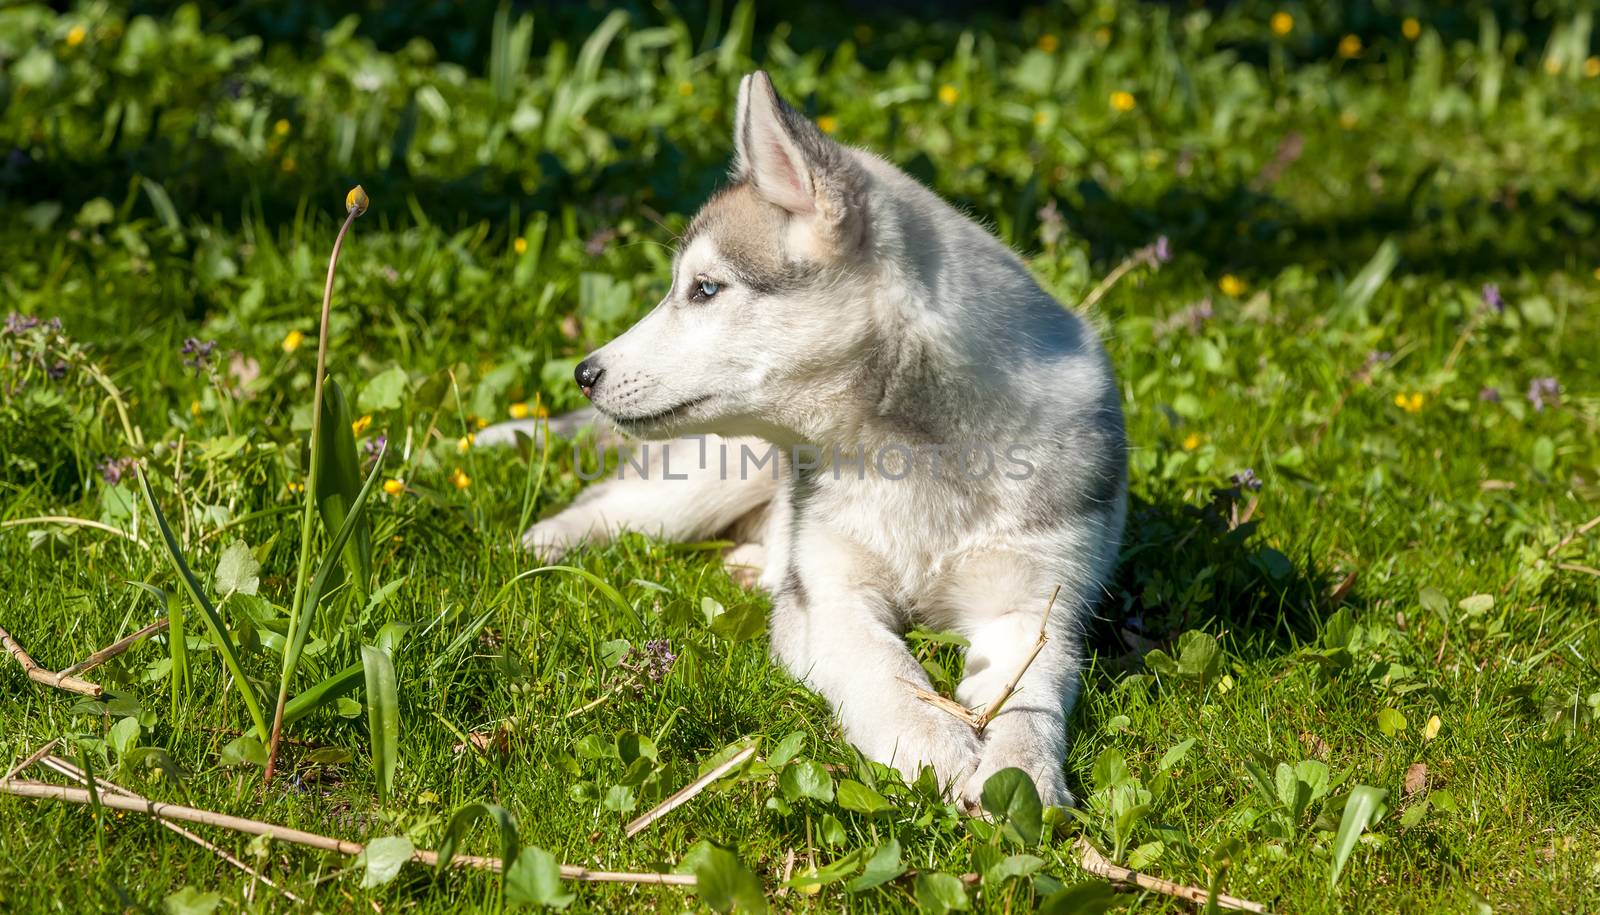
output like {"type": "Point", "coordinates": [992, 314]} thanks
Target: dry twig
{"type": "Point", "coordinates": [1090, 859]}
{"type": "Point", "coordinates": [49, 678]}
{"type": "Point", "coordinates": [682, 795]}
{"type": "Point", "coordinates": [978, 721]}
{"type": "Point", "coordinates": [72, 772]}
{"type": "Point", "coordinates": [110, 651]}
{"type": "Point", "coordinates": [309, 839]}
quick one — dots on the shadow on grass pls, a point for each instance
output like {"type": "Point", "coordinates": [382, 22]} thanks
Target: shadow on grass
{"type": "Point", "coordinates": [1191, 567]}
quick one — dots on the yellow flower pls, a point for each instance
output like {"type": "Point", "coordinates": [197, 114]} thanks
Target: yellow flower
{"type": "Point", "coordinates": [356, 201]}
{"type": "Point", "coordinates": [1191, 441]}
{"type": "Point", "coordinates": [294, 487]}
{"type": "Point", "coordinates": [196, 408]}
{"type": "Point", "coordinates": [827, 123]}
{"type": "Point", "coordinates": [1048, 43]}
{"type": "Point", "coordinates": [686, 88]}
{"type": "Point", "coordinates": [1350, 46]}
{"type": "Point", "coordinates": [1041, 118]}
{"type": "Point", "coordinates": [281, 127]}
{"type": "Point", "coordinates": [1123, 101]}
{"type": "Point", "coordinates": [292, 341]}
{"type": "Point", "coordinates": [520, 246]}
{"type": "Point", "coordinates": [464, 444]}
{"type": "Point", "coordinates": [289, 164]}
{"type": "Point", "coordinates": [1348, 120]}
{"type": "Point", "coordinates": [1102, 36]}
{"type": "Point", "coordinates": [1431, 729]}
{"type": "Point", "coordinates": [1411, 403]}
{"type": "Point", "coordinates": [360, 425]}
{"type": "Point", "coordinates": [394, 486]}
{"type": "Point", "coordinates": [479, 421]}
{"type": "Point", "coordinates": [519, 411]}
{"type": "Point", "coordinates": [1411, 28]}
{"type": "Point", "coordinates": [460, 479]}
{"type": "Point", "coordinates": [1597, 273]}
{"type": "Point", "coordinates": [1591, 67]}
{"type": "Point", "coordinates": [1552, 66]}
{"type": "Point", "coordinates": [948, 94]}
{"type": "Point", "coordinates": [76, 35]}
{"type": "Point", "coordinates": [1232, 285]}
{"type": "Point", "coordinates": [1225, 684]}
{"type": "Point", "coordinates": [1282, 24]}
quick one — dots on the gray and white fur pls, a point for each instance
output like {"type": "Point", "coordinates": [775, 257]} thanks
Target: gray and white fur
{"type": "Point", "coordinates": [825, 300]}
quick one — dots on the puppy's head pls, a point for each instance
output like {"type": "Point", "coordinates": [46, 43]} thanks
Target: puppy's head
{"type": "Point", "coordinates": [766, 296]}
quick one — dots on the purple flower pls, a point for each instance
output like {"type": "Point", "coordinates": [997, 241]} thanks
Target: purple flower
{"type": "Point", "coordinates": [375, 445]}
{"type": "Point", "coordinates": [1489, 395]}
{"type": "Point", "coordinates": [1544, 392]}
{"type": "Point", "coordinates": [650, 664]}
{"type": "Point", "coordinates": [1246, 479]}
{"type": "Point", "coordinates": [16, 324]}
{"type": "Point", "coordinates": [1492, 299]}
{"type": "Point", "coordinates": [198, 353]}
{"type": "Point", "coordinates": [57, 370]}
{"type": "Point", "coordinates": [112, 469]}
{"type": "Point", "coordinates": [1162, 250]}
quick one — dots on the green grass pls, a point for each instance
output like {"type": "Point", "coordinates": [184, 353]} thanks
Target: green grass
{"type": "Point", "coordinates": [182, 176]}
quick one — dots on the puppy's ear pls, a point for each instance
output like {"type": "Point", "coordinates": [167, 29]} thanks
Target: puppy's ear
{"type": "Point", "coordinates": [792, 165]}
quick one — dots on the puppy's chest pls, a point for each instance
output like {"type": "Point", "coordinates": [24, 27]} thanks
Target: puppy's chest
{"type": "Point", "coordinates": [893, 535]}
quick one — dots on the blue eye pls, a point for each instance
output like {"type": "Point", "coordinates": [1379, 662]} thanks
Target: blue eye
{"type": "Point", "coordinates": [705, 289]}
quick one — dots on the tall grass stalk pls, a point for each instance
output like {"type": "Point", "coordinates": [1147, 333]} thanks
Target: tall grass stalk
{"type": "Point", "coordinates": [355, 204]}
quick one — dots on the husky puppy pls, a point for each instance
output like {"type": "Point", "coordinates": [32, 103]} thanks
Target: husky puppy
{"type": "Point", "coordinates": [836, 345]}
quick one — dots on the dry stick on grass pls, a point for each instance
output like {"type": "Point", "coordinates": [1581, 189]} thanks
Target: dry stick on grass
{"type": "Point", "coordinates": [682, 795]}
{"type": "Point", "coordinates": [33, 757]}
{"type": "Point", "coordinates": [72, 772]}
{"type": "Point", "coordinates": [1090, 859]}
{"type": "Point", "coordinates": [978, 721]}
{"type": "Point", "coordinates": [110, 651]}
{"type": "Point", "coordinates": [160, 810]}
{"type": "Point", "coordinates": [49, 678]}
{"type": "Point", "coordinates": [75, 522]}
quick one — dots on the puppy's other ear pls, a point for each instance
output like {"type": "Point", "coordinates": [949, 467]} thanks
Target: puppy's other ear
{"type": "Point", "coordinates": [793, 165]}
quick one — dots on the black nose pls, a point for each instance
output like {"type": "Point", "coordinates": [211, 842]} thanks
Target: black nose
{"type": "Point", "coordinates": [587, 375]}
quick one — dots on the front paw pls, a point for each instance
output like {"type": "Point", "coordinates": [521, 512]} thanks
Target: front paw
{"type": "Point", "coordinates": [922, 739]}
{"type": "Point", "coordinates": [1044, 770]}
{"type": "Point", "coordinates": [550, 539]}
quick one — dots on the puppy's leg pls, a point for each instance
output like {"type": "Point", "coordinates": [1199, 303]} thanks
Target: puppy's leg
{"type": "Point", "coordinates": [1002, 599]}
{"type": "Point", "coordinates": [665, 491]}
{"type": "Point", "coordinates": [838, 637]}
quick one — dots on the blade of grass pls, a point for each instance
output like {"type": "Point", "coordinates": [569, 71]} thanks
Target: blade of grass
{"type": "Point", "coordinates": [383, 717]}
{"type": "Point", "coordinates": [219, 632]}
{"type": "Point", "coordinates": [600, 584]}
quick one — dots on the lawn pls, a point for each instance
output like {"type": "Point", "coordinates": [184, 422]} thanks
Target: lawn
{"type": "Point", "coordinates": [1351, 661]}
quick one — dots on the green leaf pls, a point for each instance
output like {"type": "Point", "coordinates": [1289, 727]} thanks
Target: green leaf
{"type": "Point", "coordinates": [535, 879]}
{"type": "Point", "coordinates": [383, 717]}
{"type": "Point", "coordinates": [1360, 290]}
{"type": "Point", "coordinates": [462, 820]}
{"type": "Point", "coordinates": [940, 893]}
{"type": "Point", "coordinates": [883, 866]}
{"type": "Point", "coordinates": [1199, 657]}
{"type": "Point", "coordinates": [244, 751]}
{"type": "Point", "coordinates": [385, 391]}
{"type": "Point", "coordinates": [1110, 769]}
{"type": "Point", "coordinates": [238, 572]}
{"type": "Point", "coordinates": [383, 859]}
{"type": "Point", "coordinates": [806, 778]}
{"type": "Point", "coordinates": [1391, 722]}
{"type": "Point", "coordinates": [124, 735]}
{"type": "Point", "coordinates": [1010, 797]}
{"type": "Point", "coordinates": [1175, 755]}
{"type": "Point", "coordinates": [1011, 866]}
{"type": "Point", "coordinates": [859, 798]}
{"type": "Point", "coordinates": [339, 482]}
{"type": "Point", "coordinates": [620, 798]}
{"type": "Point", "coordinates": [830, 830]}
{"type": "Point", "coordinates": [190, 901]}
{"type": "Point", "coordinates": [1090, 897]}
{"type": "Point", "coordinates": [786, 749]}
{"type": "Point", "coordinates": [1363, 808]}
{"type": "Point", "coordinates": [1476, 604]}
{"type": "Point", "coordinates": [219, 632]}
{"type": "Point", "coordinates": [724, 883]}
{"type": "Point", "coordinates": [1433, 599]}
